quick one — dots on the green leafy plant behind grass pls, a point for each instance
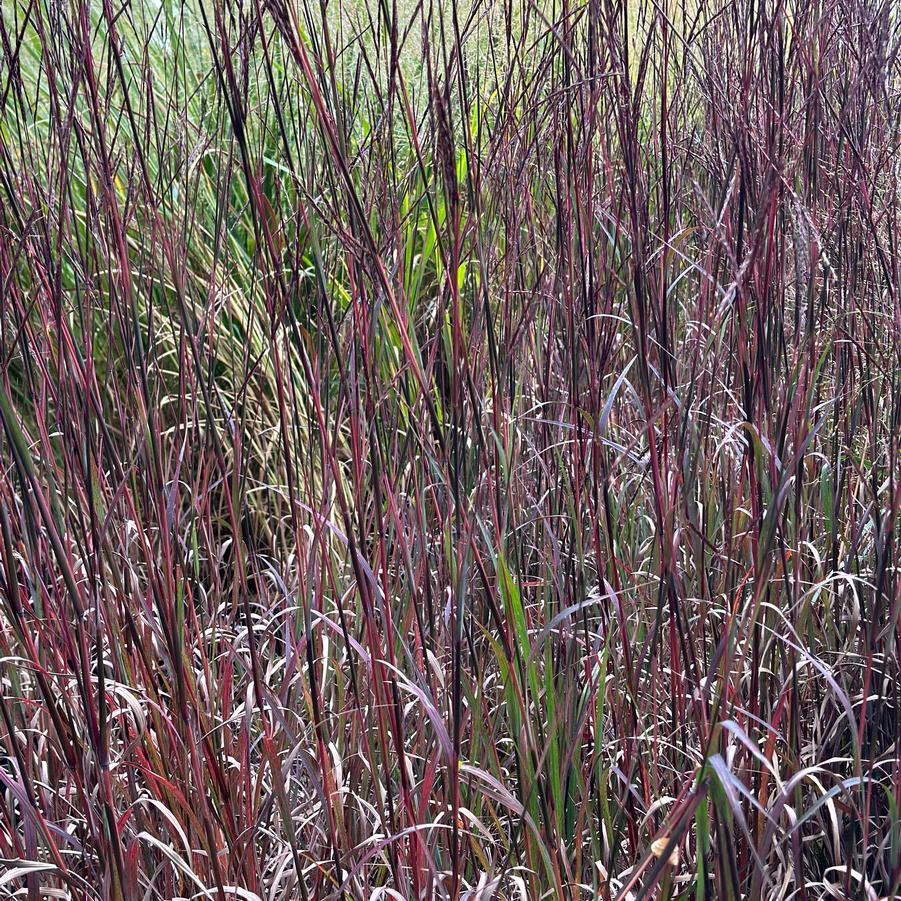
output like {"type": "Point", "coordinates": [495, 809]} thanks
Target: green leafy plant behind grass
{"type": "Point", "coordinates": [449, 450]}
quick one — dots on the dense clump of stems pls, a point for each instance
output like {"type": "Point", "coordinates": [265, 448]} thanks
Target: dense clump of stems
{"type": "Point", "coordinates": [450, 450]}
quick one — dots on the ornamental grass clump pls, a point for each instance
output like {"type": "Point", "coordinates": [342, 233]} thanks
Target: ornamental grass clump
{"type": "Point", "coordinates": [449, 449]}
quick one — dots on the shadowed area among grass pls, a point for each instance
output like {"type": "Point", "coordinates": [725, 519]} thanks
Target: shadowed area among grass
{"type": "Point", "coordinates": [449, 450]}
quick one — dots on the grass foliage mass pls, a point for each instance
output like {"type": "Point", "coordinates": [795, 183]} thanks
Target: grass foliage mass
{"type": "Point", "coordinates": [450, 450]}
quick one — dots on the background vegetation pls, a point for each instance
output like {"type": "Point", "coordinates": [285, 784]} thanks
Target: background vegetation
{"type": "Point", "coordinates": [449, 450]}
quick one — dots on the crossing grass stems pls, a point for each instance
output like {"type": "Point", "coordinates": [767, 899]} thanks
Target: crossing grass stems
{"type": "Point", "coordinates": [449, 450]}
